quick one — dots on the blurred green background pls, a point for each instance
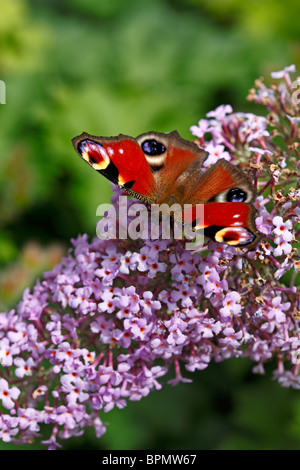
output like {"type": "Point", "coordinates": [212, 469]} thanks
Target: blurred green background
{"type": "Point", "coordinates": [129, 66]}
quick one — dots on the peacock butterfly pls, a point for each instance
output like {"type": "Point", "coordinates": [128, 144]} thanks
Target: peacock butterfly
{"type": "Point", "coordinates": [162, 168]}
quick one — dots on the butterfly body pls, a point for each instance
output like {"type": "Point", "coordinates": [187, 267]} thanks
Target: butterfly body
{"type": "Point", "coordinates": [162, 168]}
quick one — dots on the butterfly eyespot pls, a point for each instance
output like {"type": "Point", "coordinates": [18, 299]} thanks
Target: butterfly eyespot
{"type": "Point", "coordinates": [236, 195]}
{"type": "Point", "coordinates": [234, 236]}
{"type": "Point", "coordinates": [94, 154]}
{"type": "Point", "coordinates": [153, 147]}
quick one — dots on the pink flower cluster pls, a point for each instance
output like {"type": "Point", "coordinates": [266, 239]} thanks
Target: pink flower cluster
{"type": "Point", "coordinates": [114, 316]}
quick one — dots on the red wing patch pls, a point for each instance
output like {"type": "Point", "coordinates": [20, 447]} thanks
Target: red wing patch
{"type": "Point", "coordinates": [225, 222]}
{"type": "Point", "coordinates": [229, 214]}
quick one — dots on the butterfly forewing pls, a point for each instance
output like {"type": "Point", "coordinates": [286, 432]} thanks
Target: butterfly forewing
{"type": "Point", "coordinates": [121, 160]}
{"type": "Point", "coordinates": [214, 184]}
{"type": "Point", "coordinates": [174, 161]}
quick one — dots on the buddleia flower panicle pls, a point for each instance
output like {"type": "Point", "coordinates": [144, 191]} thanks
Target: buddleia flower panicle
{"type": "Point", "coordinates": [115, 316]}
